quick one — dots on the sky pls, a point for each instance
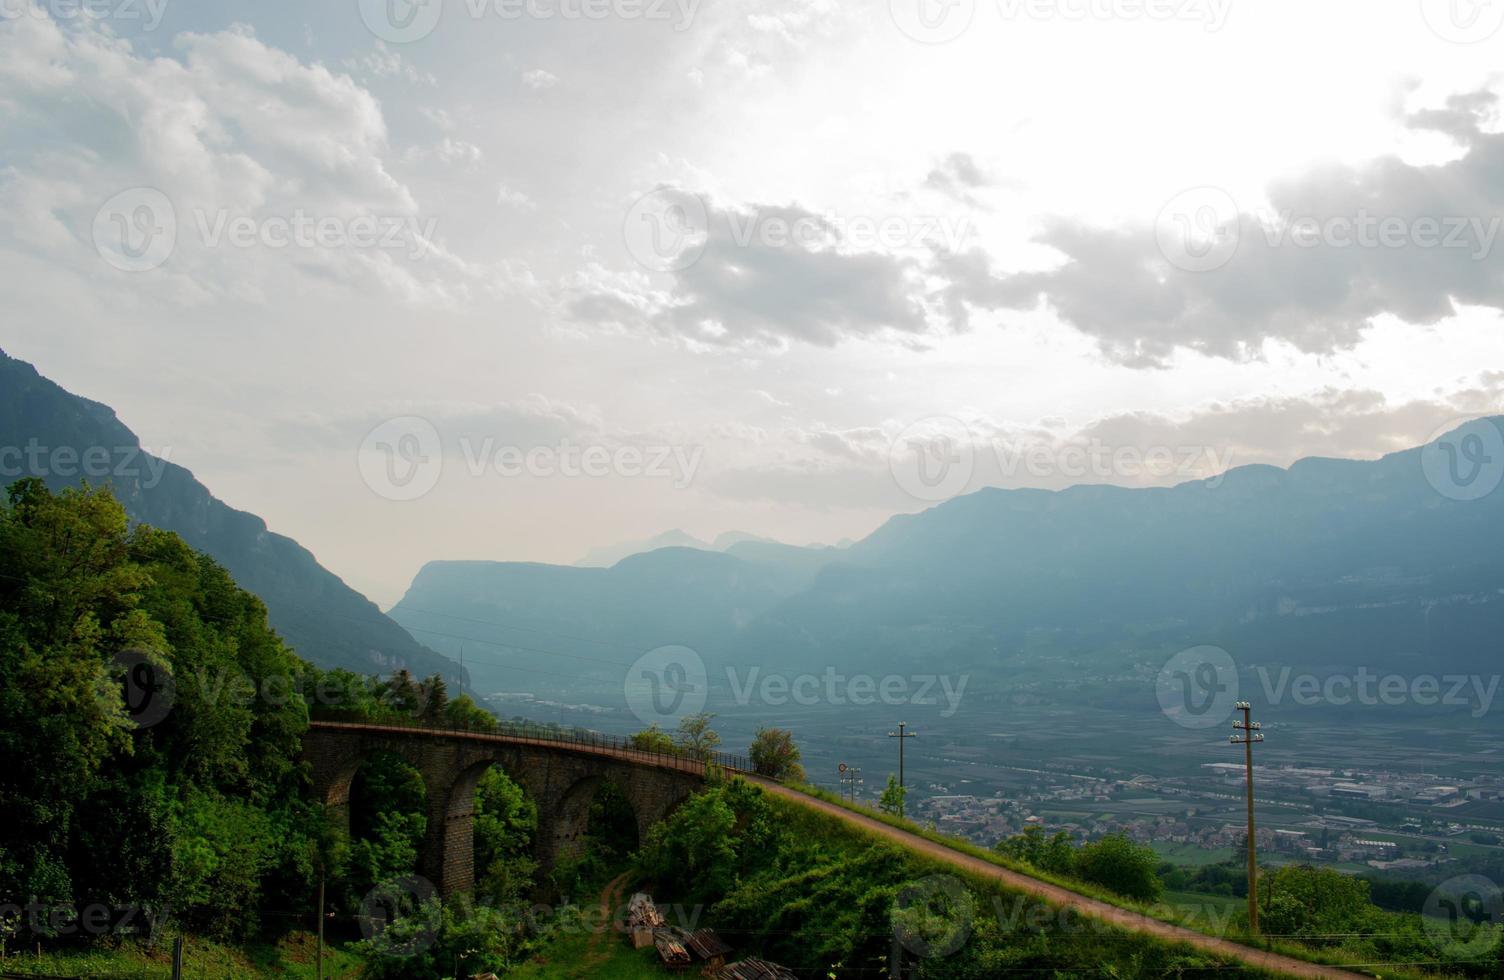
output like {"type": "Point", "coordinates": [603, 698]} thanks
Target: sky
{"type": "Point", "coordinates": [513, 279]}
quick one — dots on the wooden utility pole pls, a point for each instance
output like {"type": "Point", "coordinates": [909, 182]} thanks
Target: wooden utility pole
{"type": "Point", "coordinates": [320, 969]}
{"type": "Point", "coordinates": [901, 735]}
{"type": "Point", "coordinates": [1251, 734]}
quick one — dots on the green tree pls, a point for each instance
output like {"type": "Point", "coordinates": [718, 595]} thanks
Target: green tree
{"type": "Point", "coordinates": [695, 846]}
{"type": "Point", "coordinates": [892, 799]}
{"type": "Point", "coordinates": [505, 825]}
{"type": "Point", "coordinates": [435, 700]}
{"type": "Point", "coordinates": [696, 737]}
{"type": "Point", "coordinates": [1117, 863]}
{"type": "Point", "coordinates": [653, 739]}
{"type": "Point", "coordinates": [159, 715]}
{"type": "Point", "coordinates": [775, 755]}
{"type": "Point", "coordinates": [1055, 854]}
{"type": "Point", "coordinates": [1306, 901]}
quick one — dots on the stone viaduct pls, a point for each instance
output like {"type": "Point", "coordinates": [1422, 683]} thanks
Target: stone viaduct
{"type": "Point", "coordinates": [561, 776]}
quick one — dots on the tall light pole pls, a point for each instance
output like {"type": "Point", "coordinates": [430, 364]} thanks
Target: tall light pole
{"type": "Point", "coordinates": [901, 735]}
{"type": "Point", "coordinates": [1251, 734]}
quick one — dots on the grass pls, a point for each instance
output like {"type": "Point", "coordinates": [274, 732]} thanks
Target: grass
{"type": "Point", "coordinates": [1196, 914]}
{"type": "Point", "coordinates": [570, 957]}
{"type": "Point", "coordinates": [1193, 855]}
{"type": "Point", "coordinates": [292, 956]}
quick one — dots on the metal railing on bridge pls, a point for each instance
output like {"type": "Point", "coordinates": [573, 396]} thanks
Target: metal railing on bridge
{"type": "Point", "coordinates": [579, 737]}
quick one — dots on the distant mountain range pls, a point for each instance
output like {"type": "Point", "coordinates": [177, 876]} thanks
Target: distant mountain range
{"type": "Point", "coordinates": [1329, 564]}
{"type": "Point", "coordinates": [48, 432]}
{"type": "Point", "coordinates": [608, 555]}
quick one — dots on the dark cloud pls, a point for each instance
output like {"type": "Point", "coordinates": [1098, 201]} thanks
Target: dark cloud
{"type": "Point", "coordinates": [956, 177]}
{"type": "Point", "coordinates": [770, 274]}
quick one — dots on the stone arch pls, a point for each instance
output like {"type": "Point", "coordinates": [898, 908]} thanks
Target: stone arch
{"type": "Point", "coordinates": [561, 780]}
{"type": "Point", "coordinates": [453, 845]}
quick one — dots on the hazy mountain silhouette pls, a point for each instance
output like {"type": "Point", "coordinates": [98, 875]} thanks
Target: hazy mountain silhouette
{"type": "Point", "coordinates": [325, 620]}
{"type": "Point", "coordinates": [1329, 562]}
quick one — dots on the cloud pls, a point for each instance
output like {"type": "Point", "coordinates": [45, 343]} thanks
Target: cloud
{"type": "Point", "coordinates": [831, 468]}
{"type": "Point", "coordinates": [766, 275]}
{"type": "Point", "coordinates": [538, 79]}
{"type": "Point", "coordinates": [230, 129]}
{"type": "Point", "coordinates": [957, 176]}
{"type": "Point", "coordinates": [383, 62]}
{"type": "Point", "coordinates": [1337, 247]}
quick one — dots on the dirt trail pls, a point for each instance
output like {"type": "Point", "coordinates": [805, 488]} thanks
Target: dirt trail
{"type": "Point", "coordinates": [1062, 897]}
{"type": "Point", "coordinates": [605, 934]}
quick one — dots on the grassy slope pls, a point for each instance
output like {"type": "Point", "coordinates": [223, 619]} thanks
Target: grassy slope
{"type": "Point", "coordinates": [291, 957]}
